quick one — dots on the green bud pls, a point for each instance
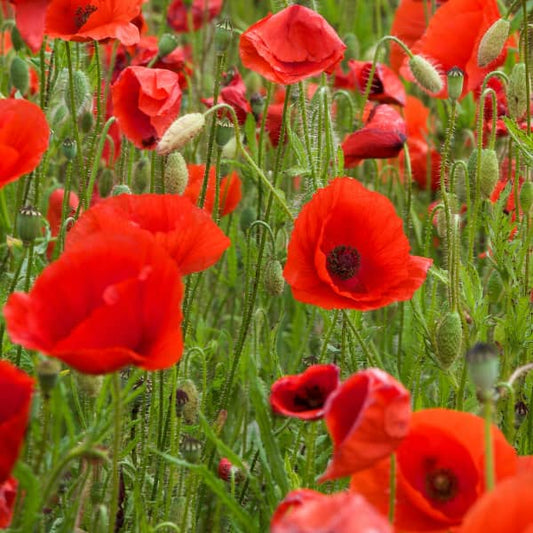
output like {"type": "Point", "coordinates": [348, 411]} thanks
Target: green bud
{"type": "Point", "coordinates": [352, 47]}
{"type": "Point", "coordinates": [223, 36]}
{"type": "Point", "coordinates": [69, 148]}
{"type": "Point", "coordinates": [448, 338]}
{"type": "Point", "coordinates": [82, 93]}
{"type": "Point", "coordinates": [516, 91]}
{"type": "Point", "coordinates": [192, 406]}
{"type": "Point", "coordinates": [526, 196]}
{"type": "Point", "coordinates": [47, 373]}
{"type": "Point", "coordinates": [86, 121]}
{"type": "Point", "coordinates": [274, 282]}
{"type": "Point", "coordinates": [88, 384]}
{"type": "Point", "coordinates": [120, 188]}
{"type": "Point", "coordinates": [141, 176]}
{"type": "Point", "coordinates": [489, 171]}
{"type": "Point", "coordinates": [16, 39]}
{"type": "Point", "coordinates": [176, 174]}
{"type": "Point", "coordinates": [191, 449]}
{"type": "Point", "coordinates": [167, 44]}
{"type": "Point", "coordinates": [492, 42]}
{"type": "Point", "coordinates": [246, 219]}
{"type": "Point", "coordinates": [253, 82]}
{"type": "Point", "coordinates": [426, 75]}
{"type": "Point", "coordinates": [456, 79]}
{"type": "Point", "coordinates": [106, 181]}
{"type": "Point", "coordinates": [483, 365]}
{"type": "Point", "coordinates": [19, 75]}
{"type": "Point", "coordinates": [28, 224]}
{"type": "Point", "coordinates": [224, 132]}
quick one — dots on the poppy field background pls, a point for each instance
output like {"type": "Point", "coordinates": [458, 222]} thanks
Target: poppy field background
{"type": "Point", "coordinates": [266, 266]}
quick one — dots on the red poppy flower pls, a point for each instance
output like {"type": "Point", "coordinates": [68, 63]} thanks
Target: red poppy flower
{"type": "Point", "coordinates": [382, 136]}
{"type": "Point", "coordinates": [187, 233]}
{"type": "Point", "coordinates": [199, 11]}
{"type": "Point", "coordinates": [230, 189]}
{"type": "Point", "coordinates": [367, 417]}
{"type": "Point", "coordinates": [16, 389]}
{"type": "Point", "coordinates": [86, 20]}
{"type": "Point", "coordinates": [304, 395]}
{"type": "Point", "coordinates": [290, 46]}
{"type": "Point", "coordinates": [110, 301]}
{"type": "Point", "coordinates": [55, 209]}
{"type": "Point", "coordinates": [29, 17]}
{"type": "Point", "coordinates": [24, 135]}
{"type": "Point", "coordinates": [348, 251]}
{"type": "Point", "coordinates": [8, 493]}
{"type": "Point", "coordinates": [439, 468]}
{"type": "Point", "coordinates": [146, 102]}
{"type": "Point", "coordinates": [307, 511]}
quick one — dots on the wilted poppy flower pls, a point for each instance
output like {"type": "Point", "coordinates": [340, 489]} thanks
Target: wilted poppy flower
{"type": "Point", "coordinates": [187, 233]}
{"type": "Point", "coordinates": [146, 101]}
{"type": "Point", "coordinates": [86, 20]}
{"type": "Point", "coordinates": [55, 211]}
{"type": "Point", "coordinates": [307, 511]}
{"type": "Point", "coordinates": [348, 251]}
{"type": "Point", "coordinates": [230, 189]}
{"type": "Point", "coordinates": [439, 469]}
{"type": "Point", "coordinates": [290, 46]}
{"type": "Point", "coordinates": [8, 493]}
{"type": "Point", "coordinates": [382, 136]}
{"type": "Point", "coordinates": [24, 135]}
{"type": "Point", "coordinates": [110, 301]}
{"type": "Point", "coordinates": [29, 17]}
{"type": "Point", "coordinates": [304, 395]}
{"type": "Point", "coordinates": [199, 11]}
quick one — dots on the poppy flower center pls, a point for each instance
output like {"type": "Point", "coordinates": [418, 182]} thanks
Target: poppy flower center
{"type": "Point", "coordinates": [82, 14]}
{"type": "Point", "coordinates": [377, 86]}
{"type": "Point", "coordinates": [441, 484]}
{"type": "Point", "coordinates": [343, 262]}
{"type": "Point", "coordinates": [312, 398]}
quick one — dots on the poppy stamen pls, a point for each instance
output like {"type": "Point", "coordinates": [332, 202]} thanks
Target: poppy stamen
{"type": "Point", "coordinates": [82, 14]}
{"type": "Point", "coordinates": [441, 484]}
{"type": "Point", "coordinates": [312, 399]}
{"type": "Point", "coordinates": [343, 262]}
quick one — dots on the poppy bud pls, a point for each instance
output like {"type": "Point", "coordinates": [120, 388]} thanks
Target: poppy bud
{"type": "Point", "coordinates": [224, 132]}
{"type": "Point", "coordinates": [526, 196]}
{"type": "Point", "coordinates": [425, 74]}
{"type": "Point", "coordinates": [86, 122]}
{"type": "Point", "coordinates": [106, 180]}
{"type": "Point", "coordinates": [516, 91]}
{"type": "Point", "coordinates": [257, 104]}
{"type": "Point", "coordinates": [247, 218]}
{"type": "Point", "coordinates": [69, 148]}
{"type": "Point", "coordinates": [192, 407]}
{"type": "Point", "coordinates": [227, 471]}
{"type": "Point", "coordinates": [274, 282]}
{"type": "Point", "coordinates": [521, 411]}
{"type": "Point", "coordinates": [141, 176]}
{"type": "Point", "coordinates": [456, 78]}
{"type": "Point", "coordinates": [352, 46]}
{"type": "Point", "coordinates": [28, 224]}
{"type": "Point", "coordinates": [483, 365]}
{"type": "Point", "coordinates": [492, 42]}
{"type": "Point", "coordinates": [82, 93]}
{"type": "Point", "coordinates": [19, 75]}
{"type": "Point", "coordinates": [120, 188]}
{"type": "Point", "coordinates": [253, 82]}
{"type": "Point", "coordinates": [181, 400]}
{"type": "Point", "coordinates": [223, 36]}
{"type": "Point", "coordinates": [230, 149]}
{"type": "Point", "coordinates": [489, 170]}
{"type": "Point", "coordinates": [16, 39]}
{"type": "Point", "coordinates": [47, 373]}
{"type": "Point", "coordinates": [180, 132]}
{"type": "Point", "coordinates": [176, 174]}
{"type": "Point", "coordinates": [167, 44]}
{"type": "Point", "coordinates": [191, 449]}
{"type": "Point", "coordinates": [448, 338]}
{"type": "Point", "coordinates": [89, 384]}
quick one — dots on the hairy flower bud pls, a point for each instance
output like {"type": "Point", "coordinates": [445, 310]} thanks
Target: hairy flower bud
{"type": "Point", "coordinates": [141, 175]}
{"type": "Point", "coordinates": [426, 75]}
{"type": "Point", "coordinates": [19, 75]}
{"type": "Point", "coordinates": [180, 132]}
{"type": "Point", "coordinates": [448, 338]}
{"type": "Point", "coordinates": [516, 91]}
{"type": "Point", "coordinates": [176, 174]}
{"type": "Point", "coordinates": [274, 282]}
{"type": "Point", "coordinates": [492, 42]}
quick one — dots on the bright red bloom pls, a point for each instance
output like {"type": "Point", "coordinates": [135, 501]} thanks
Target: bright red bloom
{"type": "Point", "coordinates": [439, 468]}
{"type": "Point", "coordinates": [29, 17]}
{"type": "Point", "coordinates": [201, 12]}
{"type": "Point", "coordinates": [53, 215]}
{"type": "Point", "coordinates": [8, 493]}
{"type": "Point", "coordinates": [367, 417]}
{"type": "Point", "coordinates": [188, 233]}
{"type": "Point", "coordinates": [110, 301]}
{"type": "Point", "coordinates": [146, 102]}
{"type": "Point", "coordinates": [304, 395]}
{"type": "Point", "coordinates": [24, 135]}
{"type": "Point", "coordinates": [307, 511]}
{"type": "Point", "coordinates": [87, 20]}
{"type": "Point", "coordinates": [230, 189]}
{"type": "Point", "coordinates": [348, 251]}
{"type": "Point", "coordinates": [382, 136]}
{"type": "Point", "coordinates": [290, 46]}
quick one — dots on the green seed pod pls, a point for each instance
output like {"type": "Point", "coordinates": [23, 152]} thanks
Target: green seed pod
{"type": "Point", "coordinates": [28, 224]}
{"type": "Point", "coordinates": [274, 282]}
{"type": "Point", "coordinates": [516, 91]}
{"type": "Point", "coordinates": [106, 181]}
{"type": "Point", "coordinates": [47, 373]}
{"type": "Point", "coordinates": [19, 75]}
{"type": "Point", "coordinates": [192, 406]}
{"type": "Point", "coordinates": [88, 384]}
{"type": "Point", "coordinates": [69, 148]}
{"type": "Point", "coordinates": [191, 449]}
{"type": "Point", "coordinates": [456, 79]}
{"type": "Point", "coordinates": [492, 42]}
{"type": "Point", "coordinates": [120, 188]}
{"type": "Point", "coordinates": [176, 174]}
{"type": "Point", "coordinates": [483, 365]}
{"type": "Point", "coordinates": [86, 122]}
{"type": "Point", "coordinates": [167, 44]}
{"type": "Point", "coordinates": [489, 171]}
{"type": "Point", "coordinates": [426, 75]}
{"type": "Point", "coordinates": [224, 132]}
{"type": "Point", "coordinates": [526, 196]}
{"type": "Point", "coordinates": [448, 338]}
{"type": "Point", "coordinates": [16, 39]}
{"type": "Point", "coordinates": [223, 36]}
{"type": "Point", "coordinates": [82, 93]}
{"type": "Point", "coordinates": [141, 176]}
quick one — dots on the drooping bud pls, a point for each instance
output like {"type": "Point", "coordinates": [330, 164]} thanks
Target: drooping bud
{"type": "Point", "coordinates": [16, 39]}
{"type": "Point", "coordinates": [141, 175]}
{"type": "Point", "coordinates": [191, 449]}
{"type": "Point", "coordinates": [82, 93]}
{"type": "Point", "coordinates": [516, 91]}
{"type": "Point", "coordinates": [526, 196]}
{"type": "Point", "coordinates": [69, 148]}
{"type": "Point", "coordinates": [192, 406]}
{"type": "Point", "coordinates": [223, 36]}
{"type": "Point", "coordinates": [483, 365]}
{"type": "Point", "coordinates": [106, 180]}
{"type": "Point", "coordinates": [456, 79]}
{"type": "Point", "coordinates": [176, 174]}
{"type": "Point", "coordinates": [426, 75]}
{"type": "Point", "coordinates": [180, 132]}
{"type": "Point", "coordinates": [28, 224]}
{"type": "Point", "coordinates": [167, 44]}
{"type": "Point", "coordinates": [448, 338]}
{"type": "Point", "coordinates": [274, 282]}
{"type": "Point", "coordinates": [492, 42]}
{"type": "Point", "coordinates": [120, 188]}
{"type": "Point", "coordinates": [47, 373]}
{"type": "Point", "coordinates": [19, 75]}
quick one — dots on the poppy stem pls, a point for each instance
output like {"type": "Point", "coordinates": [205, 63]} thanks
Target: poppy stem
{"type": "Point", "coordinates": [113, 507]}
{"type": "Point", "coordinates": [392, 487]}
{"type": "Point", "coordinates": [307, 138]}
{"type": "Point", "coordinates": [526, 51]}
{"type": "Point", "coordinates": [371, 354]}
{"type": "Point", "coordinates": [489, 446]}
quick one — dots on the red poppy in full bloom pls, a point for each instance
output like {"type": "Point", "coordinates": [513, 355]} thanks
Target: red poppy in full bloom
{"type": "Point", "coordinates": [439, 470]}
{"type": "Point", "coordinates": [112, 300]}
{"type": "Point", "coordinates": [146, 101]}
{"type": "Point", "coordinates": [24, 136]}
{"type": "Point", "coordinates": [367, 417]}
{"type": "Point", "coordinates": [304, 395]}
{"type": "Point", "coordinates": [8, 493]}
{"type": "Point", "coordinates": [30, 17]}
{"type": "Point", "coordinates": [86, 20]}
{"type": "Point", "coordinates": [290, 46]}
{"type": "Point", "coordinates": [199, 11]}
{"type": "Point", "coordinates": [187, 233]}
{"type": "Point", "coordinates": [307, 511]}
{"type": "Point", "coordinates": [348, 251]}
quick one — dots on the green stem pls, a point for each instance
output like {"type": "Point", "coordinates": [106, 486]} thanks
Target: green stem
{"type": "Point", "coordinates": [392, 487]}
{"type": "Point", "coordinates": [113, 507]}
{"type": "Point", "coordinates": [489, 446]}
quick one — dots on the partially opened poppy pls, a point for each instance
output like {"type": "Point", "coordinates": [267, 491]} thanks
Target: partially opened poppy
{"type": "Point", "coordinates": [146, 102]}
{"type": "Point", "coordinates": [8, 493]}
{"type": "Point", "coordinates": [439, 468]}
{"type": "Point", "coordinates": [382, 136]}
{"type": "Point", "coordinates": [186, 232]}
{"type": "Point", "coordinates": [30, 17]}
{"type": "Point", "coordinates": [24, 135]}
{"type": "Point", "coordinates": [304, 395]}
{"type": "Point", "coordinates": [290, 46]}
{"type": "Point", "coordinates": [110, 301]}
{"type": "Point", "coordinates": [348, 251]}
{"type": "Point", "coordinates": [200, 12]}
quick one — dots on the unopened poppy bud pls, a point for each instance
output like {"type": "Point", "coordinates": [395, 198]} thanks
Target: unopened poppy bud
{"type": "Point", "coordinates": [120, 188]}
{"type": "Point", "coordinates": [69, 148]}
{"type": "Point", "coordinates": [521, 411]}
{"type": "Point", "coordinates": [106, 180]}
{"type": "Point", "coordinates": [86, 121]}
{"type": "Point", "coordinates": [456, 79]}
{"type": "Point", "coordinates": [141, 176]}
{"type": "Point", "coordinates": [28, 224]}
{"type": "Point", "coordinates": [82, 93]}
{"type": "Point", "coordinates": [223, 36]}
{"type": "Point", "coordinates": [246, 219]}
{"type": "Point", "coordinates": [516, 91]}
{"type": "Point", "coordinates": [274, 282]}
{"type": "Point", "coordinates": [257, 104]}
{"type": "Point", "coordinates": [16, 39]}
{"type": "Point", "coordinates": [425, 74]}
{"type": "Point", "coordinates": [88, 384]}
{"type": "Point", "coordinates": [448, 338]}
{"type": "Point", "coordinates": [167, 44]}
{"type": "Point", "coordinates": [191, 449]}
{"type": "Point", "coordinates": [192, 407]}
{"type": "Point", "coordinates": [176, 176]}
{"type": "Point", "coordinates": [483, 365]}
{"type": "Point", "coordinates": [19, 75]}
{"type": "Point", "coordinates": [526, 196]}
{"type": "Point", "coordinates": [224, 132]}
{"type": "Point", "coordinates": [181, 401]}
{"type": "Point", "coordinates": [47, 373]}
{"type": "Point", "coordinates": [489, 171]}
{"type": "Point", "coordinates": [180, 132]}
{"type": "Point", "coordinates": [227, 471]}
{"type": "Point", "coordinates": [492, 42]}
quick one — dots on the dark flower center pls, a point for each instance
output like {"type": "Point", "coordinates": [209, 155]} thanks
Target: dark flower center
{"type": "Point", "coordinates": [310, 398]}
{"type": "Point", "coordinates": [82, 14]}
{"type": "Point", "coordinates": [441, 485]}
{"type": "Point", "coordinates": [343, 262]}
{"type": "Point", "coordinates": [377, 85]}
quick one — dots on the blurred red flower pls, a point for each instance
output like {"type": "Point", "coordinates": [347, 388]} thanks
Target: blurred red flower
{"type": "Point", "coordinates": [24, 136]}
{"type": "Point", "coordinates": [382, 136]}
{"type": "Point", "coordinates": [290, 46]}
{"type": "Point", "coordinates": [112, 300]}
{"type": "Point", "coordinates": [304, 395]}
{"type": "Point", "coordinates": [53, 215]}
{"type": "Point", "coordinates": [230, 189]}
{"type": "Point", "coordinates": [30, 17]}
{"type": "Point", "coordinates": [8, 493]}
{"type": "Point", "coordinates": [439, 469]}
{"type": "Point", "coordinates": [367, 417]}
{"type": "Point", "coordinates": [86, 20]}
{"type": "Point", "coordinates": [348, 251]}
{"type": "Point", "coordinates": [187, 233]}
{"type": "Point", "coordinates": [146, 101]}
{"type": "Point", "coordinates": [307, 511]}
{"type": "Point", "coordinates": [199, 11]}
